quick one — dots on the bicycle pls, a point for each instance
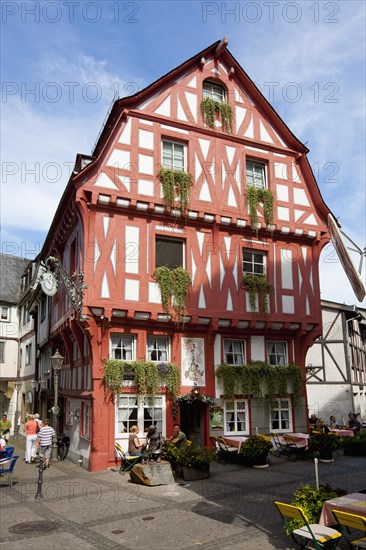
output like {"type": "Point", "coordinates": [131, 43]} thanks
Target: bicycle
{"type": "Point", "coordinates": [63, 444]}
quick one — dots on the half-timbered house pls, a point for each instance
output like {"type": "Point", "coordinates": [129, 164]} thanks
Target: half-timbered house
{"type": "Point", "coordinates": [125, 214]}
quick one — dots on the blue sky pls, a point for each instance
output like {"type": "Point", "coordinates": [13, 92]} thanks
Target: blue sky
{"type": "Point", "coordinates": [62, 62]}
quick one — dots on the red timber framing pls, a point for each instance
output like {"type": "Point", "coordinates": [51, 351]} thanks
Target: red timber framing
{"type": "Point", "coordinates": [118, 198]}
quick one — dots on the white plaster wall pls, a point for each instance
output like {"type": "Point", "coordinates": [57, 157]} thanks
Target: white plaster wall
{"type": "Point", "coordinates": [325, 400]}
{"type": "Point", "coordinates": [257, 348]}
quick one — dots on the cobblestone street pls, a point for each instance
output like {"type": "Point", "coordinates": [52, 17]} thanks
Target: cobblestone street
{"type": "Point", "coordinates": [232, 509]}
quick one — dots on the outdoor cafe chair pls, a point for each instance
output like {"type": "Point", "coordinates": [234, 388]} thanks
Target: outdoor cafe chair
{"type": "Point", "coordinates": [280, 448]}
{"type": "Point", "coordinates": [127, 461]}
{"type": "Point", "coordinates": [295, 448]}
{"type": "Point", "coordinates": [225, 451]}
{"type": "Point", "coordinates": [346, 522]}
{"type": "Point", "coordinates": [9, 452]}
{"type": "Point", "coordinates": [8, 471]}
{"type": "Point", "coordinates": [321, 536]}
{"type": "Point", "coordinates": [219, 455]}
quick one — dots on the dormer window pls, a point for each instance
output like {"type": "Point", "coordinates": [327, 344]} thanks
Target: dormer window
{"type": "Point", "coordinates": [214, 91]}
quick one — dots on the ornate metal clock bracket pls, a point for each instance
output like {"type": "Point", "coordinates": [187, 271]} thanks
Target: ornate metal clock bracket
{"type": "Point", "coordinates": [73, 284]}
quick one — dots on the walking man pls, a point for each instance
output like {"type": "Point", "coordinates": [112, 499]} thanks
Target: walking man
{"type": "Point", "coordinates": [45, 436]}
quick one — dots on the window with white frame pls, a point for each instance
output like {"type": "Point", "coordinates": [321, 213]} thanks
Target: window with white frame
{"type": "Point", "coordinates": [254, 261]}
{"type": "Point", "coordinates": [153, 412]}
{"type": "Point", "coordinates": [169, 252]}
{"type": "Point", "coordinates": [234, 352]}
{"type": "Point", "coordinates": [85, 421]}
{"type": "Point", "coordinates": [122, 347]}
{"type": "Point", "coordinates": [141, 411]}
{"type": "Point", "coordinates": [236, 417]}
{"type": "Point", "coordinates": [157, 348]}
{"type": "Point", "coordinates": [213, 91]}
{"type": "Point", "coordinates": [5, 313]}
{"type": "Point", "coordinates": [277, 353]}
{"type": "Point", "coordinates": [2, 352]}
{"type": "Point", "coordinates": [281, 416]}
{"type": "Point", "coordinates": [256, 174]}
{"type": "Point", "coordinates": [174, 155]}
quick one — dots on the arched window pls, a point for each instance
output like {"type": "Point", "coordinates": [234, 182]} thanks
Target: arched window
{"type": "Point", "coordinates": [214, 91]}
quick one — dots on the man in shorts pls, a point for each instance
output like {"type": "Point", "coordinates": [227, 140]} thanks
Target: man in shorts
{"type": "Point", "coordinates": [45, 435]}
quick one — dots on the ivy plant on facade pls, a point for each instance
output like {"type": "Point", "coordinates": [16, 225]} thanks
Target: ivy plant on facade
{"type": "Point", "coordinates": [259, 379]}
{"type": "Point", "coordinates": [253, 197]}
{"type": "Point", "coordinates": [257, 285]}
{"type": "Point", "coordinates": [175, 186]}
{"type": "Point", "coordinates": [148, 376]}
{"type": "Point", "coordinates": [210, 109]}
{"type": "Point", "coordinates": [174, 285]}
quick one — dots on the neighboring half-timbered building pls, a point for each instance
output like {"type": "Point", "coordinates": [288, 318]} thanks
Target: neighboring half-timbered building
{"type": "Point", "coordinates": [336, 364]}
{"type": "Point", "coordinates": [119, 221]}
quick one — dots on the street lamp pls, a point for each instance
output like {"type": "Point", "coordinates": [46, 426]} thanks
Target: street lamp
{"type": "Point", "coordinates": [57, 362]}
{"type": "Point", "coordinates": [17, 385]}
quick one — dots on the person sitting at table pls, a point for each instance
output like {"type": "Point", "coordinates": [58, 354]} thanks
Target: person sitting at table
{"type": "Point", "coordinates": [332, 424]}
{"type": "Point", "coordinates": [179, 439]}
{"type": "Point", "coordinates": [313, 421]}
{"type": "Point", "coordinates": [353, 423]}
{"type": "Point", "coordinates": [134, 445]}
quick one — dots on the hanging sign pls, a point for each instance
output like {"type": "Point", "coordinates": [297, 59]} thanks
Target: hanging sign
{"type": "Point", "coordinates": [48, 282]}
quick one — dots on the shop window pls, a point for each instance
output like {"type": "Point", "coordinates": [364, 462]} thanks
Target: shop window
{"type": "Point", "coordinates": [236, 417]}
{"type": "Point", "coordinates": [281, 416]}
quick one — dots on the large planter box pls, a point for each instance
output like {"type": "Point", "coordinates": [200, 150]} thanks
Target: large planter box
{"type": "Point", "coordinates": [192, 474]}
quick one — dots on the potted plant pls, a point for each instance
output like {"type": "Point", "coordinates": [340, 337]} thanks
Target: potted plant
{"type": "Point", "coordinates": [255, 451]}
{"type": "Point", "coordinates": [193, 462]}
{"type": "Point", "coordinates": [324, 444]}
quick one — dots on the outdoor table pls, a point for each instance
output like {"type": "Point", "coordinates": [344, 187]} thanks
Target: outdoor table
{"type": "Point", "coordinates": [355, 503]}
{"type": "Point", "coordinates": [235, 441]}
{"type": "Point", "coordinates": [343, 433]}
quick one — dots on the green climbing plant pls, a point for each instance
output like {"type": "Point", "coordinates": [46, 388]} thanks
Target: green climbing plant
{"type": "Point", "coordinates": [253, 197]}
{"type": "Point", "coordinates": [210, 109]}
{"type": "Point", "coordinates": [175, 186]}
{"type": "Point", "coordinates": [148, 376]}
{"type": "Point", "coordinates": [174, 285]}
{"type": "Point", "coordinates": [260, 380]}
{"type": "Point", "coordinates": [257, 284]}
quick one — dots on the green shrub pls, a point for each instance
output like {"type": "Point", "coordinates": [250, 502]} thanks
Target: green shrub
{"type": "Point", "coordinates": [355, 446]}
{"type": "Point", "coordinates": [311, 501]}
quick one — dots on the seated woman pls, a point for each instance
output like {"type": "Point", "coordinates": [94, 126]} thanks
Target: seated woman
{"type": "Point", "coordinates": [134, 445]}
{"type": "Point", "coordinates": [332, 424]}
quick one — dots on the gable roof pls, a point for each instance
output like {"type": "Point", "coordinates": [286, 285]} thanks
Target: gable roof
{"type": "Point", "coordinates": [11, 271]}
{"type": "Point", "coordinates": [218, 50]}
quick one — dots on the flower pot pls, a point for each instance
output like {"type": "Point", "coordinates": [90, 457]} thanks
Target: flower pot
{"type": "Point", "coordinates": [325, 455]}
{"type": "Point", "coordinates": [254, 461]}
{"type": "Point", "coordinates": [192, 474]}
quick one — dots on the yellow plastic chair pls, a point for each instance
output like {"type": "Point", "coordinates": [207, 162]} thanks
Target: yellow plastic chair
{"type": "Point", "coordinates": [127, 461]}
{"type": "Point", "coordinates": [346, 522]}
{"type": "Point", "coordinates": [321, 536]}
